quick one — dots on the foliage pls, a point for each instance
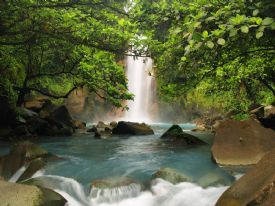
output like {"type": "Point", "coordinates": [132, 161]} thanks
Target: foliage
{"type": "Point", "coordinates": [53, 47]}
{"type": "Point", "coordinates": [227, 45]}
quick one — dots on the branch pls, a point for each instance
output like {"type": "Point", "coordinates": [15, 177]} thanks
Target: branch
{"type": "Point", "coordinates": [52, 95]}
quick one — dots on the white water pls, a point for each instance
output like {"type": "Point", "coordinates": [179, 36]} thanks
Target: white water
{"type": "Point", "coordinates": [17, 174]}
{"type": "Point", "coordinates": [161, 193]}
{"type": "Point", "coordinates": [140, 84]}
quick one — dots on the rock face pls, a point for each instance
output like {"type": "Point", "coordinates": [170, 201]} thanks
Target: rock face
{"type": "Point", "coordinates": [241, 142]}
{"type": "Point", "coordinates": [176, 135]}
{"type": "Point", "coordinates": [255, 188]}
{"type": "Point", "coordinates": [23, 153]}
{"type": "Point", "coordinates": [171, 175]}
{"type": "Point", "coordinates": [132, 128]}
{"type": "Point", "coordinates": [18, 195]}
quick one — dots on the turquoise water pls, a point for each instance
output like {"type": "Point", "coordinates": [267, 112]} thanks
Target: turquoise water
{"type": "Point", "coordinates": [86, 159]}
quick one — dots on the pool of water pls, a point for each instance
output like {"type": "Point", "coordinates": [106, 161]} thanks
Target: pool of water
{"type": "Point", "coordinates": [85, 159]}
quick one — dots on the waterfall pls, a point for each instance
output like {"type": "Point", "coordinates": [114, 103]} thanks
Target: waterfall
{"type": "Point", "coordinates": [161, 193]}
{"type": "Point", "coordinates": [140, 83]}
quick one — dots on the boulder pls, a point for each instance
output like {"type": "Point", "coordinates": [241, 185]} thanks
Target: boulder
{"type": "Point", "coordinates": [21, 153]}
{"type": "Point", "coordinates": [41, 127]}
{"type": "Point", "coordinates": [176, 135]}
{"type": "Point", "coordinates": [171, 175]}
{"type": "Point", "coordinates": [101, 124]}
{"type": "Point", "coordinates": [13, 194]}
{"type": "Point", "coordinates": [61, 114]}
{"type": "Point", "coordinates": [26, 113]}
{"type": "Point", "coordinates": [113, 124]}
{"type": "Point", "coordinates": [255, 188]}
{"type": "Point", "coordinates": [34, 166]}
{"type": "Point", "coordinates": [77, 124]}
{"type": "Point", "coordinates": [132, 128]}
{"type": "Point", "coordinates": [47, 108]}
{"type": "Point", "coordinates": [113, 182]}
{"type": "Point", "coordinates": [241, 142]}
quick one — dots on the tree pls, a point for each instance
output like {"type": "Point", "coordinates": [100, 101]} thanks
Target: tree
{"type": "Point", "coordinates": [54, 47]}
{"type": "Point", "coordinates": [225, 47]}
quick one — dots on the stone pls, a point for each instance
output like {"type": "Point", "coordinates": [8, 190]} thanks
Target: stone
{"type": "Point", "coordinates": [113, 124]}
{"type": "Point", "coordinates": [13, 194]}
{"type": "Point", "coordinates": [26, 113]}
{"type": "Point", "coordinates": [241, 142]}
{"type": "Point", "coordinates": [255, 188]}
{"type": "Point", "coordinates": [101, 124]}
{"type": "Point", "coordinates": [34, 166]}
{"type": "Point", "coordinates": [77, 124]}
{"type": "Point", "coordinates": [175, 135]}
{"type": "Point", "coordinates": [62, 115]}
{"type": "Point", "coordinates": [113, 182]}
{"type": "Point", "coordinates": [21, 131]}
{"type": "Point", "coordinates": [41, 127]}
{"type": "Point", "coordinates": [171, 175]}
{"type": "Point", "coordinates": [93, 129]}
{"type": "Point", "coordinates": [132, 128]}
{"type": "Point", "coordinates": [20, 154]}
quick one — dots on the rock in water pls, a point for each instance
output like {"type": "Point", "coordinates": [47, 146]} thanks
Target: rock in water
{"type": "Point", "coordinates": [132, 128]}
{"type": "Point", "coordinates": [24, 195]}
{"type": "Point", "coordinates": [175, 134]}
{"type": "Point", "coordinates": [255, 188]}
{"type": "Point", "coordinates": [22, 153]}
{"type": "Point", "coordinates": [115, 189]}
{"type": "Point", "coordinates": [171, 175]}
{"type": "Point", "coordinates": [241, 142]}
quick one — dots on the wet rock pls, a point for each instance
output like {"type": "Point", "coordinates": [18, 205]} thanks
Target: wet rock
{"type": "Point", "coordinates": [101, 124]}
{"type": "Point", "coordinates": [47, 108]}
{"type": "Point", "coordinates": [171, 175]}
{"type": "Point", "coordinates": [132, 128]}
{"type": "Point", "coordinates": [255, 188]}
{"type": "Point", "coordinates": [215, 178]}
{"type": "Point", "coordinates": [113, 182]}
{"type": "Point", "coordinates": [34, 166]}
{"type": "Point", "coordinates": [176, 135]}
{"type": "Point", "coordinates": [93, 129]}
{"type": "Point", "coordinates": [77, 124]}
{"type": "Point", "coordinates": [13, 194]}
{"type": "Point", "coordinates": [21, 131]}
{"type": "Point", "coordinates": [20, 154]}
{"type": "Point", "coordinates": [241, 142]}
{"type": "Point", "coordinates": [113, 124]}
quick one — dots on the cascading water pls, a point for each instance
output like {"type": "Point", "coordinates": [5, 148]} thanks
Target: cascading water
{"type": "Point", "coordinates": [140, 83]}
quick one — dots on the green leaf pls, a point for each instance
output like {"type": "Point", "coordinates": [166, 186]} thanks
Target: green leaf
{"type": "Point", "coordinates": [233, 32]}
{"type": "Point", "coordinates": [183, 58]}
{"type": "Point", "coordinates": [176, 30]}
{"type": "Point", "coordinates": [221, 41]}
{"type": "Point", "coordinates": [259, 34]}
{"type": "Point", "coordinates": [205, 34]}
{"type": "Point", "coordinates": [210, 44]}
{"type": "Point", "coordinates": [245, 29]}
{"type": "Point", "coordinates": [255, 12]}
{"type": "Point", "coordinates": [273, 26]}
{"type": "Point", "coordinates": [267, 21]}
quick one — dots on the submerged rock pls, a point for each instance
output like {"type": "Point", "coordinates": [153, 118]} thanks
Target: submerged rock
{"type": "Point", "coordinates": [255, 188]}
{"type": "Point", "coordinates": [132, 128]}
{"type": "Point", "coordinates": [241, 142]}
{"type": "Point", "coordinates": [171, 175]}
{"type": "Point", "coordinates": [175, 134]}
{"type": "Point", "coordinates": [13, 194]}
